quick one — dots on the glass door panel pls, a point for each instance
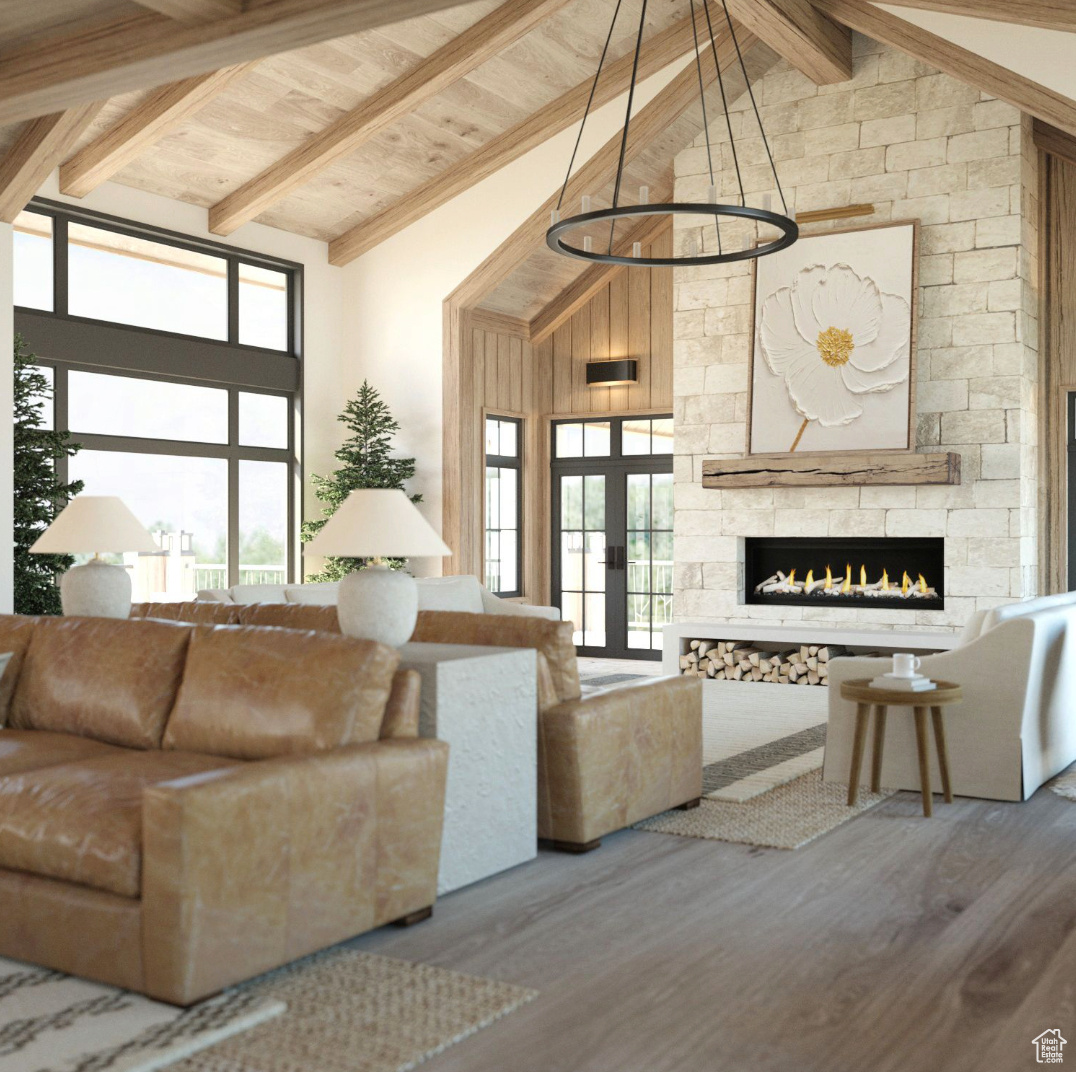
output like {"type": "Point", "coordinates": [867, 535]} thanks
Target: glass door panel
{"type": "Point", "coordinates": [612, 516]}
{"type": "Point", "coordinates": [649, 576]}
{"type": "Point", "coordinates": [581, 578]}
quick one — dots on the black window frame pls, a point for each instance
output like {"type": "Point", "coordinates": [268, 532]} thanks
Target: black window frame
{"type": "Point", "coordinates": [68, 343]}
{"type": "Point", "coordinates": [504, 461]}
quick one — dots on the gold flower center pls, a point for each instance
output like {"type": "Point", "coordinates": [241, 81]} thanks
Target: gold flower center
{"type": "Point", "coordinates": [835, 345]}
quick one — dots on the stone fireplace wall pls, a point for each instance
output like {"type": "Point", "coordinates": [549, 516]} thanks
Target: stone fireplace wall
{"type": "Point", "coordinates": [918, 145]}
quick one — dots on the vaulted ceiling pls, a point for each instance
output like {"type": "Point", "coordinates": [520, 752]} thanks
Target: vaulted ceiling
{"type": "Point", "coordinates": [347, 120]}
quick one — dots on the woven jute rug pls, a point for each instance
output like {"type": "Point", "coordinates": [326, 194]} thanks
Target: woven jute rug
{"type": "Point", "coordinates": [787, 817]}
{"type": "Point", "coordinates": [1064, 785]}
{"type": "Point", "coordinates": [349, 1011]}
{"type": "Point", "coordinates": [51, 1022]}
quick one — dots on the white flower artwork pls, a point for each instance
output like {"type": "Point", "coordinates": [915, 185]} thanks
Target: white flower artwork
{"type": "Point", "coordinates": [832, 368]}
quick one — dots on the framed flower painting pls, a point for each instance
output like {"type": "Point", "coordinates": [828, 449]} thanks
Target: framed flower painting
{"type": "Point", "coordinates": [833, 365]}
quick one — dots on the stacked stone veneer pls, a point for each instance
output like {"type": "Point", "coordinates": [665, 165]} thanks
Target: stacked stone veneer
{"type": "Point", "coordinates": [918, 145]}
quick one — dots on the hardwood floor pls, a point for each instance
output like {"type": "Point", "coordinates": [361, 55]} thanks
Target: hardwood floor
{"type": "Point", "coordinates": [894, 943]}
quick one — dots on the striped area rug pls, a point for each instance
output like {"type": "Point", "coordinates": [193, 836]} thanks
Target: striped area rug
{"type": "Point", "coordinates": [51, 1022]}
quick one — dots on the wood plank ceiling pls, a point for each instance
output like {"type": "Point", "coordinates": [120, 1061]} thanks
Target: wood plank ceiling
{"type": "Point", "coordinates": [267, 112]}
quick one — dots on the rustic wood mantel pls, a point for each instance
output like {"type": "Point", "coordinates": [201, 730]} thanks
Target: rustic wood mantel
{"type": "Point", "coordinates": [830, 470]}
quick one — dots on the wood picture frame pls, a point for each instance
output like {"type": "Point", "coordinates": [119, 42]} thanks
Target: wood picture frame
{"type": "Point", "coordinates": [909, 443]}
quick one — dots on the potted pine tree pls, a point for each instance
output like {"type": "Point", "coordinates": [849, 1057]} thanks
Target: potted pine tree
{"type": "Point", "coordinates": [39, 494]}
{"type": "Point", "coordinates": [367, 462]}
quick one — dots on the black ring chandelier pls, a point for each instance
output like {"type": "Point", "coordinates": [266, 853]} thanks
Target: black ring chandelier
{"type": "Point", "coordinates": [560, 230]}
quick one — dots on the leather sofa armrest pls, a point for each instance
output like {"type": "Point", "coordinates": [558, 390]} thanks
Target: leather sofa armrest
{"type": "Point", "coordinates": [617, 756]}
{"type": "Point", "coordinates": [400, 721]}
{"type": "Point", "coordinates": [247, 868]}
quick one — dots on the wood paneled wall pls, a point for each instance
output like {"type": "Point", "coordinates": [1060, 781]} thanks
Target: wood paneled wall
{"type": "Point", "coordinates": [491, 367]}
{"type": "Point", "coordinates": [1058, 345]}
{"type": "Point", "coordinates": [631, 316]}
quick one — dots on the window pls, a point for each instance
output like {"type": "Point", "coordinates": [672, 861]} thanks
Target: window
{"type": "Point", "coordinates": [175, 365]}
{"type": "Point", "coordinates": [503, 505]}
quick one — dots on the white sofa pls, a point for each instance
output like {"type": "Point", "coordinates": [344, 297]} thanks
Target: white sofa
{"type": "Point", "coordinates": [463, 593]}
{"type": "Point", "coordinates": [1017, 725]}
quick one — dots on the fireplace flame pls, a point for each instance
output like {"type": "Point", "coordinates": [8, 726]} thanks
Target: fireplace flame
{"type": "Point", "coordinates": [782, 584]}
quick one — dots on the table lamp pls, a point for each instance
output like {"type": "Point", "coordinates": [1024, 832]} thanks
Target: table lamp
{"type": "Point", "coordinates": [97, 523]}
{"type": "Point", "coordinates": [378, 603]}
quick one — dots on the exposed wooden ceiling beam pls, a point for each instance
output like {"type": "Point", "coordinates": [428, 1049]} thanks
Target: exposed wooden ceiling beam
{"type": "Point", "coordinates": [658, 52]}
{"type": "Point", "coordinates": [453, 61]}
{"type": "Point", "coordinates": [160, 113]}
{"type": "Point", "coordinates": [1049, 14]}
{"type": "Point", "coordinates": [681, 93]}
{"type": "Point", "coordinates": [99, 61]}
{"type": "Point", "coordinates": [574, 296]}
{"type": "Point", "coordinates": [811, 42]}
{"type": "Point", "coordinates": [193, 10]}
{"type": "Point", "coordinates": [39, 148]}
{"type": "Point", "coordinates": [992, 78]}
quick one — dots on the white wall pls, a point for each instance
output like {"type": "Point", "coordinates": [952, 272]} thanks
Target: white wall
{"type": "Point", "coordinates": [393, 328]}
{"type": "Point", "coordinates": [1044, 56]}
{"type": "Point", "coordinates": [7, 331]}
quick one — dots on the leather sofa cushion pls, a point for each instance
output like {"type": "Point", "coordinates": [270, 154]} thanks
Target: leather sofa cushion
{"type": "Point", "coordinates": [114, 681]}
{"type": "Point", "coordinates": [24, 750]}
{"type": "Point", "coordinates": [193, 611]}
{"type": "Point", "coordinates": [552, 639]}
{"type": "Point", "coordinates": [253, 693]}
{"type": "Point", "coordinates": [82, 822]}
{"type": "Point", "coordinates": [16, 631]}
{"type": "Point", "coordinates": [322, 619]}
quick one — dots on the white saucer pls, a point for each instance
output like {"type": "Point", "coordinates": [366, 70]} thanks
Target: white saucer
{"type": "Point", "coordinates": [906, 677]}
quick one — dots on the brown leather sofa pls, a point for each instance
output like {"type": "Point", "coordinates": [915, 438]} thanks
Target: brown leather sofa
{"type": "Point", "coordinates": [607, 757]}
{"type": "Point", "coordinates": [181, 810]}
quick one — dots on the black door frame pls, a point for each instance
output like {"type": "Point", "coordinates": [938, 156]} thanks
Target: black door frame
{"type": "Point", "coordinates": [615, 468]}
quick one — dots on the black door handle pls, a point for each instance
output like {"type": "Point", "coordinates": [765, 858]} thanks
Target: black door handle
{"type": "Point", "coordinates": [620, 558]}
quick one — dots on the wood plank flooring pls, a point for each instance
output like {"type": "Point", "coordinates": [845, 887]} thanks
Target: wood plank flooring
{"type": "Point", "coordinates": [894, 944]}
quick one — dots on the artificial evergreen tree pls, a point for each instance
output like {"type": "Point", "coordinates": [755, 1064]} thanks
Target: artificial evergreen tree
{"type": "Point", "coordinates": [367, 463]}
{"type": "Point", "coordinates": [39, 495]}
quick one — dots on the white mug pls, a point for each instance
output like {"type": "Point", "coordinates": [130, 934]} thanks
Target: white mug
{"type": "Point", "coordinates": [905, 665]}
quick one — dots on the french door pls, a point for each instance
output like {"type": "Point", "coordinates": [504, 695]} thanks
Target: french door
{"type": "Point", "coordinates": [612, 513]}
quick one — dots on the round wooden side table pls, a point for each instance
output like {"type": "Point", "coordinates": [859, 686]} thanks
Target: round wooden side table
{"type": "Point", "coordinates": [865, 697]}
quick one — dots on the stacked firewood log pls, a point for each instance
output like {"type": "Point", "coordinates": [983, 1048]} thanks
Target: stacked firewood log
{"type": "Point", "coordinates": [740, 660]}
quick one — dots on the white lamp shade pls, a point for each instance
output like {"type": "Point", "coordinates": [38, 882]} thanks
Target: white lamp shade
{"type": "Point", "coordinates": [377, 523]}
{"type": "Point", "coordinates": [97, 523]}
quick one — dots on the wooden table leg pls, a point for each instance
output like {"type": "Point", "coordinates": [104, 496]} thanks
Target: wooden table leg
{"type": "Point", "coordinates": [879, 743]}
{"type": "Point", "coordinates": [943, 753]}
{"type": "Point", "coordinates": [924, 759]}
{"type": "Point", "coordinates": [862, 715]}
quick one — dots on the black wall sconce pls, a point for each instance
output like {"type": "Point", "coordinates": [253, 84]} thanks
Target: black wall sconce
{"type": "Point", "coordinates": [612, 373]}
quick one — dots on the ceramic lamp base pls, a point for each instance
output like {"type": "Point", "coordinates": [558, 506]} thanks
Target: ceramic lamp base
{"type": "Point", "coordinates": [378, 603]}
{"type": "Point", "coordinates": [96, 590]}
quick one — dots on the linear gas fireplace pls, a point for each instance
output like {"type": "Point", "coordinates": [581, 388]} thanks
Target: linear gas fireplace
{"type": "Point", "coordinates": [903, 573]}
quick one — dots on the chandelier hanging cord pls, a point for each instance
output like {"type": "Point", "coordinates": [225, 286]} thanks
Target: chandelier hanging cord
{"type": "Point", "coordinates": [590, 102]}
{"type": "Point", "coordinates": [705, 120]}
{"type": "Point", "coordinates": [627, 123]}
{"type": "Point", "coordinates": [560, 230]}
{"type": "Point", "coordinates": [754, 105]}
{"type": "Point", "coordinates": [724, 99]}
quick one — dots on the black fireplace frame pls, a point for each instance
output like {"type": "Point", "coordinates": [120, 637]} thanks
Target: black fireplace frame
{"type": "Point", "coordinates": [764, 555]}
